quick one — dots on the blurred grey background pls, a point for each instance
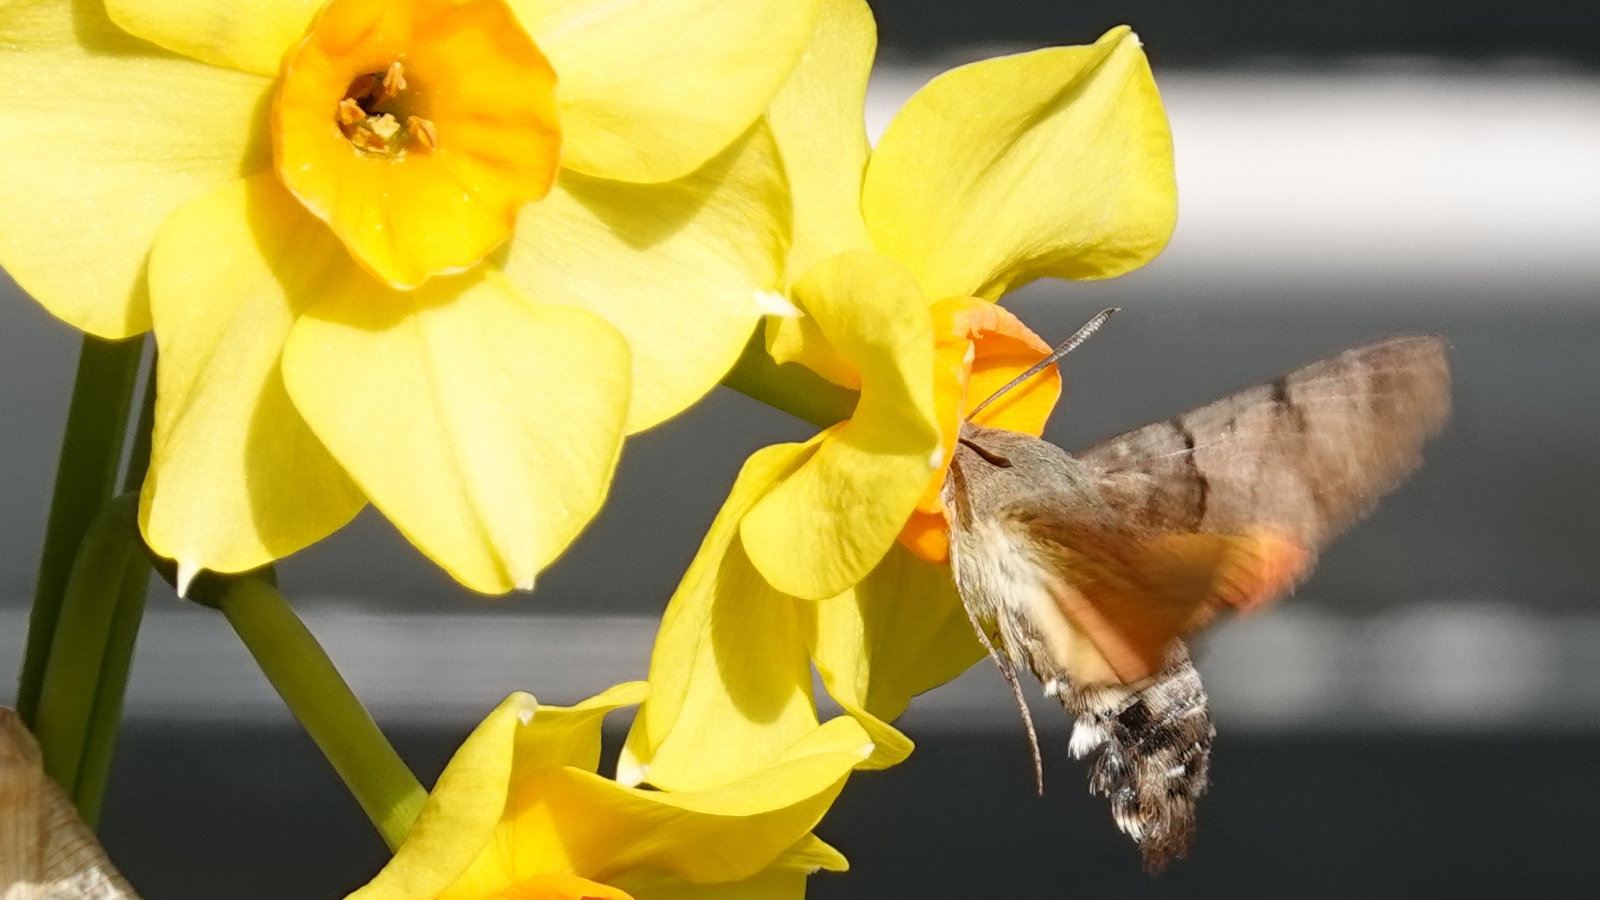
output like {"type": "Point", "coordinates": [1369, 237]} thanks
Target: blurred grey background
{"type": "Point", "coordinates": [1422, 720]}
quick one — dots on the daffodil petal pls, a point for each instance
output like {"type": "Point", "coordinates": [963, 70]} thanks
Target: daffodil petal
{"type": "Point", "coordinates": [898, 633]}
{"type": "Point", "coordinates": [237, 479]}
{"type": "Point", "coordinates": [570, 735]}
{"type": "Point", "coordinates": [249, 36]}
{"type": "Point", "coordinates": [819, 118]}
{"type": "Point", "coordinates": [102, 136]}
{"type": "Point", "coordinates": [828, 524]}
{"type": "Point", "coordinates": [550, 738]}
{"type": "Point", "coordinates": [676, 266]}
{"type": "Point", "coordinates": [730, 678]}
{"type": "Point", "coordinates": [485, 426]}
{"type": "Point", "coordinates": [727, 832]}
{"type": "Point", "coordinates": [785, 879]}
{"type": "Point", "coordinates": [461, 814]}
{"type": "Point", "coordinates": [651, 89]}
{"type": "Point", "coordinates": [1056, 162]}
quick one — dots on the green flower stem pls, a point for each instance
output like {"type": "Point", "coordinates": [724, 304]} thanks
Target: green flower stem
{"type": "Point", "coordinates": [790, 387]}
{"type": "Point", "coordinates": [85, 475]}
{"type": "Point", "coordinates": [318, 696]}
{"type": "Point", "coordinates": [100, 740]}
{"type": "Point", "coordinates": [78, 657]}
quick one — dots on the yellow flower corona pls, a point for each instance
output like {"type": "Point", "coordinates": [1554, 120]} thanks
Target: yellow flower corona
{"type": "Point", "coordinates": [436, 255]}
{"type": "Point", "coordinates": [520, 814]}
{"type": "Point", "coordinates": [444, 123]}
{"type": "Point", "coordinates": [831, 554]}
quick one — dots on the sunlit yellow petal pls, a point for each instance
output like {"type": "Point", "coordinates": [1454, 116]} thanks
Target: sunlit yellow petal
{"type": "Point", "coordinates": [723, 833]}
{"type": "Point", "coordinates": [484, 425]}
{"type": "Point", "coordinates": [730, 679]}
{"type": "Point", "coordinates": [570, 735]}
{"type": "Point", "coordinates": [237, 479]}
{"type": "Point", "coordinates": [820, 120]}
{"type": "Point", "coordinates": [103, 135]}
{"type": "Point", "coordinates": [651, 89]}
{"type": "Point", "coordinates": [1056, 162]}
{"type": "Point", "coordinates": [827, 525]}
{"type": "Point", "coordinates": [676, 266]}
{"type": "Point", "coordinates": [784, 879]}
{"type": "Point", "coordinates": [900, 632]}
{"type": "Point", "coordinates": [413, 201]}
{"type": "Point", "coordinates": [516, 865]}
{"type": "Point", "coordinates": [462, 812]}
{"type": "Point", "coordinates": [250, 36]}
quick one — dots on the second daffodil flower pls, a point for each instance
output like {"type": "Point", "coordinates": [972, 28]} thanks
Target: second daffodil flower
{"type": "Point", "coordinates": [520, 814]}
{"type": "Point", "coordinates": [833, 553]}
{"type": "Point", "coordinates": [437, 254]}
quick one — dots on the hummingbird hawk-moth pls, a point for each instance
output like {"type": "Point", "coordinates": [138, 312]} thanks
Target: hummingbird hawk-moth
{"type": "Point", "coordinates": [1089, 570]}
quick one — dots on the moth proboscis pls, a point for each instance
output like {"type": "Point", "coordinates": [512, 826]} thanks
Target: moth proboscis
{"type": "Point", "coordinates": [1089, 570]}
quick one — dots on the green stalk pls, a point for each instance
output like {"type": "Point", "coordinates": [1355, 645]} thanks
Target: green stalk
{"type": "Point", "coordinates": [318, 696]}
{"type": "Point", "coordinates": [78, 654]}
{"type": "Point", "coordinates": [116, 663]}
{"type": "Point", "coordinates": [85, 475]}
{"type": "Point", "coordinates": [105, 719]}
{"type": "Point", "coordinates": [790, 387]}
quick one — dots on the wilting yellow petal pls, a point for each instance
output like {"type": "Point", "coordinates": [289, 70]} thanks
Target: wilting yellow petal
{"type": "Point", "coordinates": [410, 200]}
{"type": "Point", "coordinates": [600, 829]}
{"type": "Point", "coordinates": [485, 426]}
{"type": "Point", "coordinates": [900, 632]}
{"type": "Point", "coordinates": [1056, 162]}
{"type": "Point", "coordinates": [462, 813]}
{"type": "Point", "coordinates": [827, 525]}
{"type": "Point", "coordinates": [730, 679]}
{"type": "Point", "coordinates": [101, 137]}
{"type": "Point", "coordinates": [784, 879]}
{"type": "Point", "coordinates": [250, 36]}
{"type": "Point", "coordinates": [237, 479]}
{"type": "Point", "coordinates": [820, 121]}
{"type": "Point", "coordinates": [675, 266]}
{"type": "Point", "coordinates": [651, 89]}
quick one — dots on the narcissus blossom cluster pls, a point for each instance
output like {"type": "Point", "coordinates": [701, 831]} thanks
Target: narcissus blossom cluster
{"type": "Point", "coordinates": [440, 255]}
{"type": "Point", "coordinates": [444, 256]}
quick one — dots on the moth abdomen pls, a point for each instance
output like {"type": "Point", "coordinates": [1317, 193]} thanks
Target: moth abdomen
{"type": "Point", "coordinates": [1149, 754]}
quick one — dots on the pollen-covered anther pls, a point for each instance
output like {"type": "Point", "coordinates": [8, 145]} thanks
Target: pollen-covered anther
{"type": "Point", "coordinates": [369, 116]}
{"type": "Point", "coordinates": [423, 131]}
{"type": "Point", "coordinates": [394, 81]}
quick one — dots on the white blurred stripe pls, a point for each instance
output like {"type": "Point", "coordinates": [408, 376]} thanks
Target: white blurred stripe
{"type": "Point", "coordinates": [1448, 665]}
{"type": "Point", "coordinates": [1441, 178]}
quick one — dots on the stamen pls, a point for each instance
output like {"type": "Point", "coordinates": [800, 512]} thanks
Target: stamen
{"type": "Point", "coordinates": [350, 114]}
{"type": "Point", "coordinates": [367, 140]}
{"type": "Point", "coordinates": [394, 81]}
{"type": "Point", "coordinates": [362, 87]}
{"type": "Point", "coordinates": [424, 131]}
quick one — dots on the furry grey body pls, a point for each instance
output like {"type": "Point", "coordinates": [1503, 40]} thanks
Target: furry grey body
{"type": "Point", "coordinates": [1148, 745]}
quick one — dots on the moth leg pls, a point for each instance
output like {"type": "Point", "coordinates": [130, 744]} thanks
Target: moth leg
{"type": "Point", "coordinates": [1009, 671]}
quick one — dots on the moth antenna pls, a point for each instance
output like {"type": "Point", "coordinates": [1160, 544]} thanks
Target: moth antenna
{"type": "Point", "coordinates": [1062, 349]}
{"type": "Point", "coordinates": [1010, 673]}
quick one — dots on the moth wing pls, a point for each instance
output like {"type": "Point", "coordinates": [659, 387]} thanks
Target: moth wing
{"type": "Point", "coordinates": [1226, 506]}
{"type": "Point", "coordinates": [1133, 602]}
{"type": "Point", "coordinates": [1303, 456]}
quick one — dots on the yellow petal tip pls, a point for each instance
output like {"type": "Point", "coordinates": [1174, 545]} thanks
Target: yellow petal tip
{"type": "Point", "coordinates": [773, 303]}
{"type": "Point", "coordinates": [187, 570]}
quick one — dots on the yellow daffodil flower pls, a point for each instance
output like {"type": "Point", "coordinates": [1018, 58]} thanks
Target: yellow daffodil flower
{"type": "Point", "coordinates": [520, 814]}
{"type": "Point", "coordinates": [436, 254]}
{"type": "Point", "coordinates": [833, 553]}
